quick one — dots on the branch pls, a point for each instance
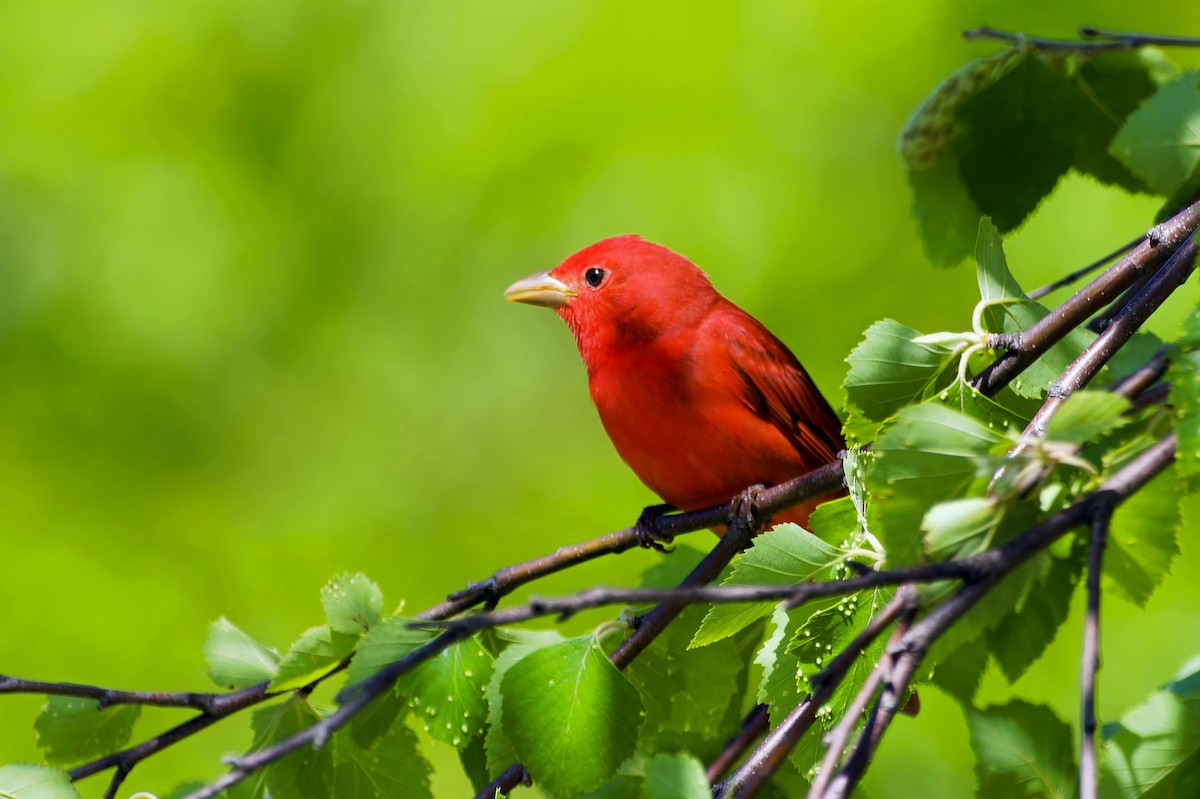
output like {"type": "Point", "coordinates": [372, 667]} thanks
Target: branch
{"type": "Point", "coordinates": [1111, 40]}
{"type": "Point", "coordinates": [1090, 656]}
{"type": "Point", "coordinates": [768, 501]}
{"type": "Point", "coordinates": [1082, 272]}
{"type": "Point", "coordinates": [753, 726]}
{"type": "Point", "coordinates": [107, 697]}
{"type": "Point", "coordinates": [1031, 344]}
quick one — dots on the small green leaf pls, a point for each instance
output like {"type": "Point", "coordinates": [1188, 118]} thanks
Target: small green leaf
{"type": "Point", "coordinates": [572, 717]}
{"type": "Point", "coordinates": [676, 777]}
{"type": "Point", "coordinates": [22, 781]}
{"type": "Point", "coordinates": [786, 554]}
{"type": "Point", "coordinates": [71, 730]}
{"type": "Point", "coordinates": [353, 604]}
{"type": "Point", "coordinates": [1184, 377]}
{"type": "Point", "coordinates": [391, 639]}
{"type": "Point", "coordinates": [235, 660]}
{"type": "Point", "coordinates": [1021, 750]}
{"type": "Point", "coordinates": [781, 669]}
{"type": "Point", "coordinates": [307, 771]}
{"type": "Point", "coordinates": [1160, 142]}
{"type": "Point", "coordinates": [1155, 743]}
{"type": "Point", "coordinates": [1086, 416]}
{"type": "Point", "coordinates": [1021, 636]}
{"type": "Point", "coordinates": [391, 767]}
{"type": "Point", "coordinates": [946, 215]}
{"type": "Point", "coordinates": [889, 369]}
{"type": "Point", "coordinates": [500, 752]}
{"type": "Point", "coordinates": [447, 692]}
{"type": "Point", "coordinates": [315, 653]}
{"type": "Point", "coordinates": [1142, 540]}
{"type": "Point", "coordinates": [949, 525]}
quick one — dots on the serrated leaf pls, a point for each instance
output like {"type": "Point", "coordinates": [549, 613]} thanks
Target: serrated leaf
{"type": "Point", "coordinates": [1087, 415]}
{"type": "Point", "coordinates": [353, 604]}
{"type": "Point", "coordinates": [1113, 85]}
{"type": "Point", "coordinates": [391, 767]}
{"type": "Point", "coordinates": [391, 639]}
{"type": "Point", "coordinates": [1010, 311]}
{"type": "Point", "coordinates": [1160, 143]}
{"type": "Point", "coordinates": [960, 672]}
{"type": "Point", "coordinates": [676, 777]}
{"type": "Point", "coordinates": [306, 771]}
{"type": "Point", "coordinates": [572, 717]}
{"type": "Point", "coordinates": [500, 751]}
{"type": "Point", "coordinates": [778, 688]}
{"type": "Point", "coordinates": [1155, 742]}
{"type": "Point", "coordinates": [835, 522]}
{"type": "Point", "coordinates": [1021, 749]}
{"type": "Point", "coordinates": [889, 370]}
{"type": "Point", "coordinates": [447, 692]}
{"type": "Point", "coordinates": [1020, 637]}
{"type": "Point", "coordinates": [1015, 138]}
{"type": "Point", "coordinates": [235, 660]}
{"type": "Point", "coordinates": [787, 554]}
{"type": "Point", "coordinates": [71, 730]}
{"type": "Point", "coordinates": [24, 781]}
{"type": "Point", "coordinates": [315, 653]}
{"type": "Point", "coordinates": [1142, 540]}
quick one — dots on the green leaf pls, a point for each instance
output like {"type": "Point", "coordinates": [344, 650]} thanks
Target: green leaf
{"type": "Point", "coordinates": [1142, 542]}
{"type": "Point", "coordinates": [391, 767]}
{"type": "Point", "coordinates": [1015, 139]}
{"type": "Point", "coordinates": [572, 717]}
{"type": "Point", "coordinates": [950, 525]}
{"type": "Point", "coordinates": [1086, 416]}
{"type": "Point", "coordinates": [391, 639]}
{"type": "Point", "coordinates": [1022, 635]}
{"type": "Point", "coordinates": [779, 689]}
{"type": "Point", "coordinates": [1184, 376]}
{"type": "Point", "coordinates": [1155, 743]}
{"type": "Point", "coordinates": [500, 752]}
{"type": "Point", "coordinates": [787, 554]}
{"type": "Point", "coordinates": [1113, 85]}
{"type": "Point", "coordinates": [1008, 310]}
{"type": "Point", "coordinates": [315, 653]}
{"type": "Point", "coordinates": [71, 730]}
{"type": "Point", "coordinates": [929, 453]}
{"type": "Point", "coordinates": [889, 369]}
{"type": "Point", "coordinates": [946, 215]}
{"type": "Point", "coordinates": [353, 604]}
{"type": "Point", "coordinates": [676, 777]}
{"type": "Point", "coordinates": [835, 522]}
{"type": "Point", "coordinates": [235, 660]}
{"type": "Point", "coordinates": [447, 692]}
{"type": "Point", "coordinates": [1021, 750]}
{"type": "Point", "coordinates": [306, 771]}
{"type": "Point", "coordinates": [22, 781]}
{"type": "Point", "coordinates": [1160, 143]}
{"type": "Point", "coordinates": [960, 672]}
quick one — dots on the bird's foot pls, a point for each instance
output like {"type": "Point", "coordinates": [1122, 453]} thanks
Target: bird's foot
{"type": "Point", "coordinates": [647, 536]}
{"type": "Point", "coordinates": [744, 509]}
{"type": "Point", "coordinates": [488, 592]}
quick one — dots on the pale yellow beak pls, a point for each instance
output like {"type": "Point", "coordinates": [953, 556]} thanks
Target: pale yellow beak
{"type": "Point", "coordinates": [540, 289]}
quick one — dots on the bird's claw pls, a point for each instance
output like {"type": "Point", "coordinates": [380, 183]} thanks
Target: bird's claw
{"type": "Point", "coordinates": [744, 509]}
{"type": "Point", "coordinates": [488, 592]}
{"type": "Point", "coordinates": [644, 529]}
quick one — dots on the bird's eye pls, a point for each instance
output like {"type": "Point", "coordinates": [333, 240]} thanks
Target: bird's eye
{"type": "Point", "coordinates": [594, 276]}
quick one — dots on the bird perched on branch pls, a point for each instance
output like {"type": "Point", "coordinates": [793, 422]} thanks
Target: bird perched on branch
{"type": "Point", "coordinates": [698, 397]}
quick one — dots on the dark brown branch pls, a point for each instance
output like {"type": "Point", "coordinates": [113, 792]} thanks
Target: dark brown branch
{"type": "Point", "coordinates": [768, 501]}
{"type": "Point", "coordinates": [753, 774]}
{"type": "Point", "coordinates": [1140, 39]}
{"type": "Point", "coordinates": [1034, 342]}
{"type": "Point", "coordinates": [1082, 272]}
{"type": "Point", "coordinates": [1170, 276]}
{"type": "Point", "coordinates": [1090, 657]}
{"type": "Point", "coordinates": [1110, 40]}
{"type": "Point", "coordinates": [753, 727]}
{"type": "Point", "coordinates": [107, 697]}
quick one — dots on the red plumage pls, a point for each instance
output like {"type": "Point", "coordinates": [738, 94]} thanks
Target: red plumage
{"type": "Point", "coordinates": [698, 397]}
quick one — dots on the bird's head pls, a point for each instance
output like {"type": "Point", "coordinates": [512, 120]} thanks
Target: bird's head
{"type": "Point", "coordinates": [620, 292]}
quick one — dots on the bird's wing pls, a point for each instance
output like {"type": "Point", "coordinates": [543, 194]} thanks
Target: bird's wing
{"type": "Point", "coordinates": [775, 386]}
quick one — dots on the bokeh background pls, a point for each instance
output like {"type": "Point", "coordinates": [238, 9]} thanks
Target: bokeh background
{"type": "Point", "coordinates": [251, 333]}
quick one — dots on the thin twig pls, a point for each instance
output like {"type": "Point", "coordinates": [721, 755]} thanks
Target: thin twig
{"type": "Point", "coordinates": [1111, 40]}
{"type": "Point", "coordinates": [753, 727]}
{"type": "Point", "coordinates": [107, 697]}
{"type": "Point", "coordinates": [1090, 657]}
{"type": "Point", "coordinates": [1140, 39]}
{"type": "Point", "coordinates": [1082, 272]}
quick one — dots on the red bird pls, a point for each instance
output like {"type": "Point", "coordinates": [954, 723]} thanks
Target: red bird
{"type": "Point", "coordinates": [697, 396]}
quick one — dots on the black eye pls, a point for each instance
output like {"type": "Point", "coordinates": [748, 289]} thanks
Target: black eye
{"type": "Point", "coordinates": [594, 276]}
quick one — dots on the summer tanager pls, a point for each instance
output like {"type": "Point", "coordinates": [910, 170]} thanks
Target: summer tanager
{"type": "Point", "coordinates": [698, 397]}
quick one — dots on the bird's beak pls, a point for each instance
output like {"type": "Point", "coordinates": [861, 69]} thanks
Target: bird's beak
{"type": "Point", "coordinates": [540, 289]}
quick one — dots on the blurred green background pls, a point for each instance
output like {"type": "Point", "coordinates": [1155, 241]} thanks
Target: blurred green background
{"type": "Point", "coordinates": [251, 333]}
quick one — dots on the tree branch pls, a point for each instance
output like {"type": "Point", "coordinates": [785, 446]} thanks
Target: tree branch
{"type": "Point", "coordinates": [107, 697]}
{"type": "Point", "coordinates": [1082, 272]}
{"type": "Point", "coordinates": [1090, 656]}
{"type": "Point", "coordinates": [1111, 40]}
{"type": "Point", "coordinates": [753, 727]}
